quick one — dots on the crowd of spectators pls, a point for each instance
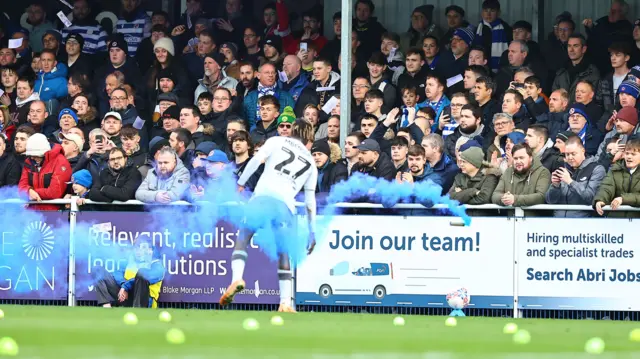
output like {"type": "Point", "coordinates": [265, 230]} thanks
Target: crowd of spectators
{"type": "Point", "coordinates": [154, 110]}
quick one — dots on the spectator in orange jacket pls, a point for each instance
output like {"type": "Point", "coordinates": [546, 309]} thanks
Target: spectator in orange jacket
{"type": "Point", "coordinates": [45, 173]}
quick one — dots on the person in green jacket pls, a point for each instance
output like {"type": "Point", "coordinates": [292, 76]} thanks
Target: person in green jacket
{"type": "Point", "coordinates": [621, 186]}
{"type": "Point", "coordinates": [525, 183]}
{"type": "Point", "coordinates": [477, 181]}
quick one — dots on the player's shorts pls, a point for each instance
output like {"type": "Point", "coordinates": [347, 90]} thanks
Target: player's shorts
{"type": "Point", "coordinates": [270, 214]}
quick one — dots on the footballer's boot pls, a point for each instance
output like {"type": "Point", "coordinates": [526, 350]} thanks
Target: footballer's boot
{"type": "Point", "coordinates": [285, 308]}
{"type": "Point", "coordinates": [233, 289]}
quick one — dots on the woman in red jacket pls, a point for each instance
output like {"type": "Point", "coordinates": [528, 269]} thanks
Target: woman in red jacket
{"type": "Point", "coordinates": [45, 173]}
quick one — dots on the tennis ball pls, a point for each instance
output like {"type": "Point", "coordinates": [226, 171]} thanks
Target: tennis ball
{"type": "Point", "coordinates": [164, 316]}
{"type": "Point", "coordinates": [594, 346]}
{"type": "Point", "coordinates": [634, 336]}
{"type": "Point", "coordinates": [510, 328]}
{"type": "Point", "coordinates": [451, 322]}
{"type": "Point", "coordinates": [398, 321]}
{"type": "Point", "coordinates": [130, 319]}
{"type": "Point", "coordinates": [277, 320]}
{"type": "Point", "coordinates": [250, 324]}
{"type": "Point", "coordinates": [175, 336]}
{"type": "Point", "coordinates": [1, 314]}
{"type": "Point", "coordinates": [522, 337]}
{"type": "Point", "coordinates": [8, 347]}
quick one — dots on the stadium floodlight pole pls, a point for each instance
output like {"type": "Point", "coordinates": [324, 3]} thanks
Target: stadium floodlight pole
{"type": "Point", "coordinates": [345, 73]}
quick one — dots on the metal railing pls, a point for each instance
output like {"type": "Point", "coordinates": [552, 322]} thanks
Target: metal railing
{"type": "Point", "coordinates": [517, 212]}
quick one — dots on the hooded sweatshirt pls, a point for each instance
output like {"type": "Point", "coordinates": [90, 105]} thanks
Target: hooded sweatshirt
{"type": "Point", "coordinates": [175, 185]}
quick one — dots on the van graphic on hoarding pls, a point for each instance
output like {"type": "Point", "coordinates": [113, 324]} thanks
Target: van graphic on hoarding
{"type": "Point", "coordinates": [370, 279]}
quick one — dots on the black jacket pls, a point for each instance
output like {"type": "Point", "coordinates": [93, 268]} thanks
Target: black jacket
{"type": "Point", "coordinates": [10, 170]}
{"type": "Point", "coordinates": [94, 164]}
{"type": "Point", "coordinates": [262, 134]}
{"type": "Point", "coordinates": [552, 159]}
{"type": "Point", "coordinates": [331, 174]}
{"type": "Point", "coordinates": [116, 186]}
{"type": "Point", "coordinates": [383, 168]}
{"type": "Point", "coordinates": [84, 65]}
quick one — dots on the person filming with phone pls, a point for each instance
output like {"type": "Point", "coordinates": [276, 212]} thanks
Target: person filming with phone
{"type": "Point", "coordinates": [625, 122]}
{"type": "Point", "coordinates": [96, 158]}
{"type": "Point", "coordinates": [577, 181]}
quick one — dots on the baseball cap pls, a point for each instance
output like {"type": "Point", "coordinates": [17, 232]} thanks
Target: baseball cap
{"type": "Point", "coordinates": [217, 156]}
{"type": "Point", "coordinates": [369, 145]}
{"type": "Point", "coordinates": [73, 138]}
{"type": "Point", "coordinates": [112, 114]}
{"type": "Point", "coordinates": [83, 178]}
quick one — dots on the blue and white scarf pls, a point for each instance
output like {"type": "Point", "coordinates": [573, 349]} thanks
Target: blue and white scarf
{"type": "Point", "coordinates": [264, 90]}
{"type": "Point", "coordinates": [583, 133]}
{"type": "Point", "coordinates": [499, 41]}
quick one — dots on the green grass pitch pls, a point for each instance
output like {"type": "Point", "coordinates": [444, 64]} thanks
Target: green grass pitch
{"type": "Point", "coordinates": [62, 332]}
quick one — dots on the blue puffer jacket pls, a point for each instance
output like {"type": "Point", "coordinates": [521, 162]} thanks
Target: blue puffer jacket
{"type": "Point", "coordinates": [250, 105]}
{"type": "Point", "coordinates": [52, 85]}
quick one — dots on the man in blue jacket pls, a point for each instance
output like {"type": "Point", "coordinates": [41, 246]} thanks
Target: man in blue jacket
{"type": "Point", "coordinates": [51, 81]}
{"type": "Point", "coordinates": [137, 285]}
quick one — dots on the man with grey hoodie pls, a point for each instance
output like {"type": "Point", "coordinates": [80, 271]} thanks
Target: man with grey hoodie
{"type": "Point", "coordinates": [167, 182]}
{"type": "Point", "coordinates": [577, 182]}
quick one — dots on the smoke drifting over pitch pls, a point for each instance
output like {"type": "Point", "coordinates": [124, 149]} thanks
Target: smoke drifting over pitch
{"type": "Point", "coordinates": [30, 260]}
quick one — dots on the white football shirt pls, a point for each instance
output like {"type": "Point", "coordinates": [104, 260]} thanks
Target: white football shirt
{"type": "Point", "coordinates": [288, 168]}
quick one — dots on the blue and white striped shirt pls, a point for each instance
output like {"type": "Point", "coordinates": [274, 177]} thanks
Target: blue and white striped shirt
{"type": "Point", "coordinates": [95, 38]}
{"type": "Point", "coordinates": [135, 31]}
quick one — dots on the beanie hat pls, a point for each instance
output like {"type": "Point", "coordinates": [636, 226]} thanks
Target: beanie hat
{"type": "Point", "coordinates": [321, 146]}
{"type": "Point", "coordinates": [206, 147]}
{"type": "Point", "coordinates": [117, 41]}
{"type": "Point", "coordinates": [473, 155]}
{"type": "Point", "coordinates": [231, 46]}
{"type": "Point", "coordinates": [83, 178]}
{"type": "Point", "coordinates": [564, 136]}
{"type": "Point", "coordinates": [630, 88]}
{"type": "Point", "coordinates": [455, 8]}
{"type": "Point", "coordinates": [471, 143]}
{"type": "Point", "coordinates": [579, 109]}
{"type": "Point", "coordinates": [635, 71]}
{"type": "Point", "coordinates": [165, 43]}
{"type": "Point", "coordinates": [465, 34]}
{"type": "Point", "coordinates": [70, 112]}
{"type": "Point", "coordinates": [287, 116]}
{"type": "Point", "coordinates": [78, 38]}
{"type": "Point", "coordinates": [274, 41]}
{"type": "Point", "coordinates": [172, 112]}
{"type": "Point", "coordinates": [166, 73]}
{"type": "Point", "coordinates": [168, 96]}
{"type": "Point", "coordinates": [628, 114]}
{"type": "Point", "coordinates": [217, 57]}
{"type": "Point", "coordinates": [37, 145]}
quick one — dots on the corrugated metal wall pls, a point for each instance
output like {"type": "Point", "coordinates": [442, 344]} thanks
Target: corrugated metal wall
{"type": "Point", "coordinates": [582, 9]}
{"type": "Point", "coordinates": [395, 14]}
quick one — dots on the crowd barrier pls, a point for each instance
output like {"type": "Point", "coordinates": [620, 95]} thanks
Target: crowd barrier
{"type": "Point", "coordinates": [515, 262]}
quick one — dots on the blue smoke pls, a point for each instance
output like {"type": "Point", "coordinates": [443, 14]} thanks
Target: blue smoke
{"type": "Point", "coordinates": [360, 187]}
{"type": "Point", "coordinates": [22, 271]}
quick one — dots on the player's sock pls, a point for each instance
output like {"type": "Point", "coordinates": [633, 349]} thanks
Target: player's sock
{"type": "Point", "coordinates": [238, 260]}
{"type": "Point", "coordinates": [284, 277]}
